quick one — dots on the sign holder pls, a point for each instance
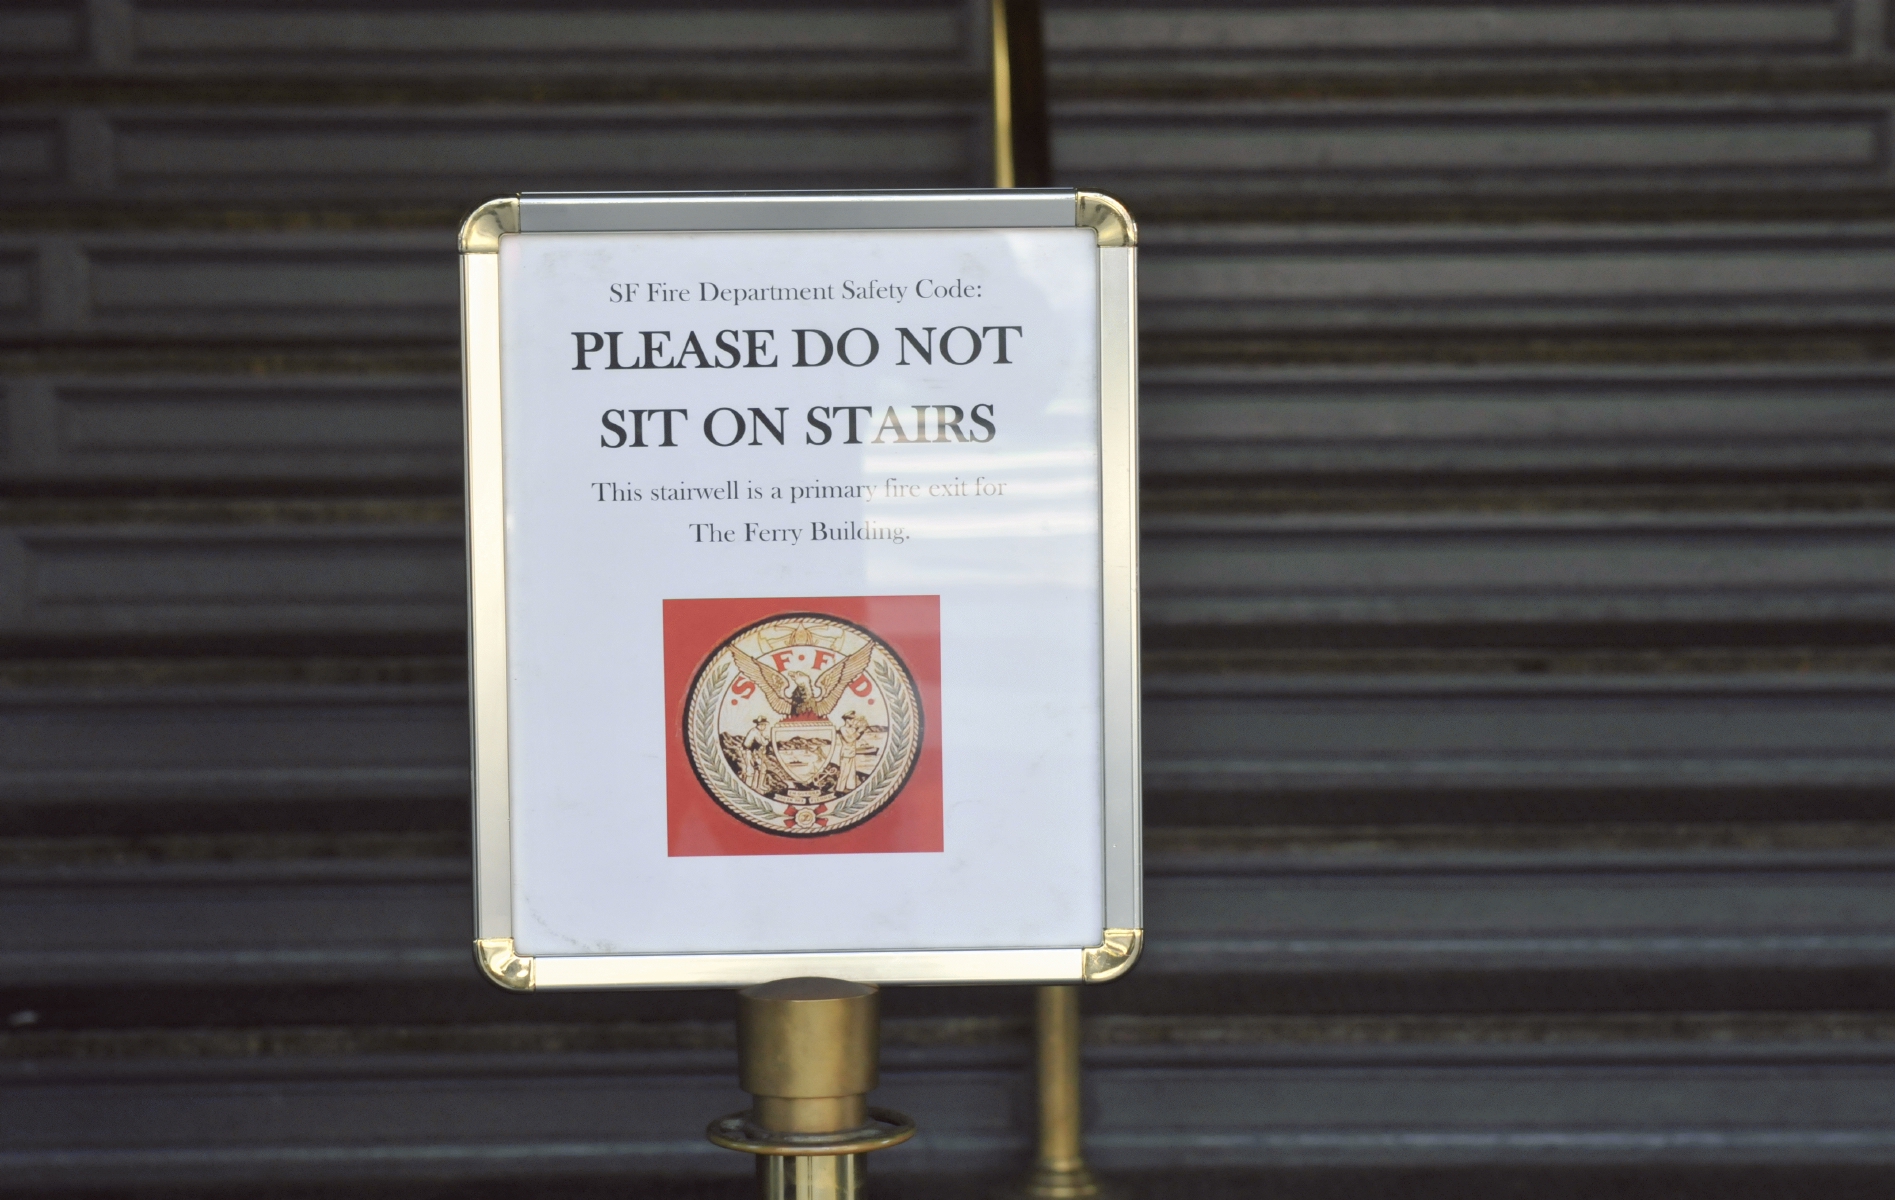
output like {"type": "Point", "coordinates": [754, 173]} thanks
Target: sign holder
{"type": "Point", "coordinates": [807, 1038]}
{"type": "Point", "coordinates": [525, 216]}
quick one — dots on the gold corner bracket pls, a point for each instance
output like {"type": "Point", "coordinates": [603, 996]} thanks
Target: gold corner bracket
{"type": "Point", "coordinates": [480, 232]}
{"type": "Point", "coordinates": [499, 963]}
{"type": "Point", "coordinates": [1113, 957]}
{"type": "Point", "coordinates": [1107, 218]}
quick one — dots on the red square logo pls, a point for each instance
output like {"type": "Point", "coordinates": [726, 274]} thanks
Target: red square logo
{"type": "Point", "coordinates": [807, 725]}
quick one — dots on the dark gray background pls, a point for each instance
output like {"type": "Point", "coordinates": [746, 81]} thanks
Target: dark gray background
{"type": "Point", "coordinates": [1519, 559]}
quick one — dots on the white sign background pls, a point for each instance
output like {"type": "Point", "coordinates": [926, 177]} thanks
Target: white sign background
{"type": "Point", "coordinates": [1018, 576]}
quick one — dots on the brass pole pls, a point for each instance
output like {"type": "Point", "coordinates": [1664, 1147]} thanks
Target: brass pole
{"type": "Point", "coordinates": [1003, 98]}
{"type": "Point", "coordinates": [807, 1053]}
{"type": "Point", "coordinates": [1060, 1172]}
{"type": "Point", "coordinates": [1023, 152]}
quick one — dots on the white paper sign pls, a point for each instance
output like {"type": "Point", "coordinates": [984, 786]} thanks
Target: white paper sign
{"type": "Point", "coordinates": [803, 580]}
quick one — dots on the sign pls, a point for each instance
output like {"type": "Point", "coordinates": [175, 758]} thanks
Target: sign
{"type": "Point", "coordinates": [802, 551]}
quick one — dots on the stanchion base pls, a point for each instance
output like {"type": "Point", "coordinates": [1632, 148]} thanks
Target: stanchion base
{"type": "Point", "coordinates": [1068, 1183]}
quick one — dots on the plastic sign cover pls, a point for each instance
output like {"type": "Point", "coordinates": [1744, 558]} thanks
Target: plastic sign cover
{"type": "Point", "coordinates": [803, 580]}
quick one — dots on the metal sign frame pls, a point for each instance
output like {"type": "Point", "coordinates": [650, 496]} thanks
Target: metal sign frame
{"type": "Point", "coordinates": [528, 214]}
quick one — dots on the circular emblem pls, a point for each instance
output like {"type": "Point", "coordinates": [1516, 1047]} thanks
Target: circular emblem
{"type": "Point", "coordinates": [803, 724]}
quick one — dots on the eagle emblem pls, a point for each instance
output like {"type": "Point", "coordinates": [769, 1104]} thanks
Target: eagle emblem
{"type": "Point", "coordinates": [803, 724]}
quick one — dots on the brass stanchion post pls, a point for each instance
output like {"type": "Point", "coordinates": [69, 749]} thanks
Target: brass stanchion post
{"type": "Point", "coordinates": [1023, 158]}
{"type": "Point", "coordinates": [1023, 153]}
{"type": "Point", "coordinates": [807, 1052]}
{"type": "Point", "coordinates": [1003, 96]}
{"type": "Point", "coordinates": [1059, 1172]}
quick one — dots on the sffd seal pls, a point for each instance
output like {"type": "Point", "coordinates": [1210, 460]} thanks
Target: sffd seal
{"type": "Point", "coordinates": [803, 724]}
